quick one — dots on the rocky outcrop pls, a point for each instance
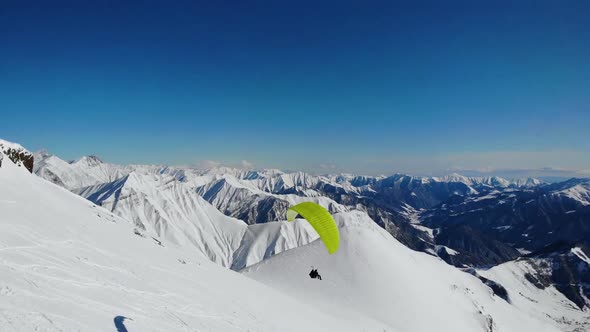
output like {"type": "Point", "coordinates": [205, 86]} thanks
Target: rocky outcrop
{"type": "Point", "coordinates": [19, 155]}
{"type": "Point", "coordinates": [564, 265]}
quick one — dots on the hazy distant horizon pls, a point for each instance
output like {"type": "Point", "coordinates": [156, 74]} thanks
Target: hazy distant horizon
{"type": "Point", "coordinates": [547, 174]}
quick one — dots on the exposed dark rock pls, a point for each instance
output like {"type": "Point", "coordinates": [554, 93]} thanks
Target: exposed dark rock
{"type": "Point", "coordinates": [20, 157]}
{"type": "Point", "coordinates": [564, 266]}
{"type": "Point", "coordinates": [530, 219]}
{"type": "Point", "coordinates": [498, 289]}
{"type": "Point", "coordinates": [474, 246]}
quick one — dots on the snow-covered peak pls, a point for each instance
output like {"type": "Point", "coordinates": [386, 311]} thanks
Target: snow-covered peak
{"type": "Point", "coordinates": [86, 171]}
{"type": "Point", "coordinates": [88, 161]}
{"type": "Point", "coordinates": [492, 181]}
{"type": "Point", "coordinates": [244, 200]}
{"type": "Point", "coordinates": [281, 182]}
{"type": "Point", "coordinates": [40, 156]}
{"type": "Point", "coordinates": [455, 177]}
{"type": "Point", "coordinates": [162, 205]}
{"type": "Point", "coordinates": [527, 182]}
{"type": "Point", "coordinates": [68, 265]}
{"type": "Point", "coordinates": [269, 172]}
{"type": "Point", "coordinates": [5, 145]}
{"type": "Point", "coordinates": [579, 192]}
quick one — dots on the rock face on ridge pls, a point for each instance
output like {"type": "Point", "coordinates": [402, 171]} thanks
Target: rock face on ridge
{"type": "Point", "coordinates": [19, 155]}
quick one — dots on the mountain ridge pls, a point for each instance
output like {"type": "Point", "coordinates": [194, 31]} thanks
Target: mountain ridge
{"type": "Point", "coordinates": [170, 207]}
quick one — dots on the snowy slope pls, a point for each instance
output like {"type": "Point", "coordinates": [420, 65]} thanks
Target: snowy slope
{"type": "Point", "coordinates": [69, 266]}
{"type": "Point", "coordinates": [580, 192]}
{"type": "Point", "coordinates": [490, 181]}
{"type": "Point", "coordinates": [172, 209]}
{"type": "Point", "coordinates": [527, 183]}
{"type": "Point", "coordinates": [164, 217]}
{"type": "Point", "coordinates": [264, 240]}
{"type": "Point", "coordinates": [6, 145]}
{"type": "Point", "coordinates": [167, 207]}
{"type": "Point", "coordinates": [396, 202]}
{"type": "Point", "coordinates": [374, 274]}
{"type": "Point", "coordinates": [281, 182]}
{"type": "Point", "coordinates": [91, 170]}
{"type": "Point", "coordinates": [241, 199]}
{"type": "Point", "coordinates": [83, 172]}
{"type": "Point", "coordinates": [542, 302]}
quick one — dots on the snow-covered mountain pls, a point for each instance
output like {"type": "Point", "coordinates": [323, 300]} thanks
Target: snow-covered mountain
{"type": "Point", "coordinates": [527, 183]}
{"type": "Point", "coordinates": [404, 289]}
{"type": "Point", "coordinates": [575, 190]}
{"type": "Point", "coordinates": [164, 202]}
{"type": "Point", "coordinates": [466, 221]}
{"type": "Point", "coordinates": [162, 205]}
{"type": "Point", "coordinates": [240, 198]}
{"type": "Point", "coordinates": [490, 181]}
{"type": "Point", "coordinates": [400, 203]}
{"type": "Point", "coordinates": [83, 172]}
{"type": "Point", "coordinates": [69, 265]}
{"type": "Point", "coordinates": [513, 219]}
{"type": "Point", "coordinates": [565, 266]}
{"type": "Point", "coordinates": [553, 283]}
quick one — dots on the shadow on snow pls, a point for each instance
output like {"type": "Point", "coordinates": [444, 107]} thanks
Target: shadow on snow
{"type": "Point", "coordinates": [119, 323]}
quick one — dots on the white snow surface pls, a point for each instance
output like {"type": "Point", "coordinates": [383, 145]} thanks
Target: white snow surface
{"type": "Point", "coordinates": [66, 263]}
{"type": "Point", "coordinates": [374, 274]}
{"type": "Point", "coordinates": [172, 210]}
{"type": "Point", "coordinates": [546, 304]}
{"type": "Point", "coordinates": [580, 193]}
{"type": "Point", "coordinates": [492, 181]}
{"type": "Point", "coordinates": [527, 182]}
{"type": "Point", "coordinates": [86, 171]}
{"type": "Point", "coordinates": [69, 266]}
{"type": "Point", "coordinates": [261, 241]}
{"type": "Point", "coordinates": [5, 145]}
{"type": "Point", "coordinates": [232, 195]}
{"type": "Point", "coordinates": [166, 207]}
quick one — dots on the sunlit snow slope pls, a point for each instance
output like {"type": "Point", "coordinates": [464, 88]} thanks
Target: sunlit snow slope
{"type": "Point", "coordinates": [160, 204]}
{"type": "Point", "coordinates": [169, 208]}
{"type": "Point", "coordinates": [66, 265]}
{"type": "Point", "coordinates": [374, 274]}
{"type": "Point", "coordinates": [543, 301]}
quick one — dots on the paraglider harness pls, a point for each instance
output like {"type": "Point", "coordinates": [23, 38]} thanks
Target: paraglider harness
{"type": "Point", "coordinates": [314, 274]}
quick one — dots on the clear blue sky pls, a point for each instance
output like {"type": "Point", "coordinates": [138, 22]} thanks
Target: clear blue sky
{"type": "Point", "coordinates": [362, 86]}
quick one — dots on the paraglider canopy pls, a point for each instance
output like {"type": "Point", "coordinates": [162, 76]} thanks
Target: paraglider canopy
{"type": "Point", "coordinates": [320, 219]}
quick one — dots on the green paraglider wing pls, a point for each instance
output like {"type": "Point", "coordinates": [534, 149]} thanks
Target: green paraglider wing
{"type": "Point", "coordinates": [321, 220]}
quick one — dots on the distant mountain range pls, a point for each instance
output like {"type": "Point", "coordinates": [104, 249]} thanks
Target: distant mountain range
{"type": "Point", "coordinates": [487, 226]}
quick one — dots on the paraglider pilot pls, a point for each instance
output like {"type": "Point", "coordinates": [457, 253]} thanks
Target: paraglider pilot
{"type": "Point", "coordinates": [322, 222]}
{"type": "Point", "coordinates": [314, 274]}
